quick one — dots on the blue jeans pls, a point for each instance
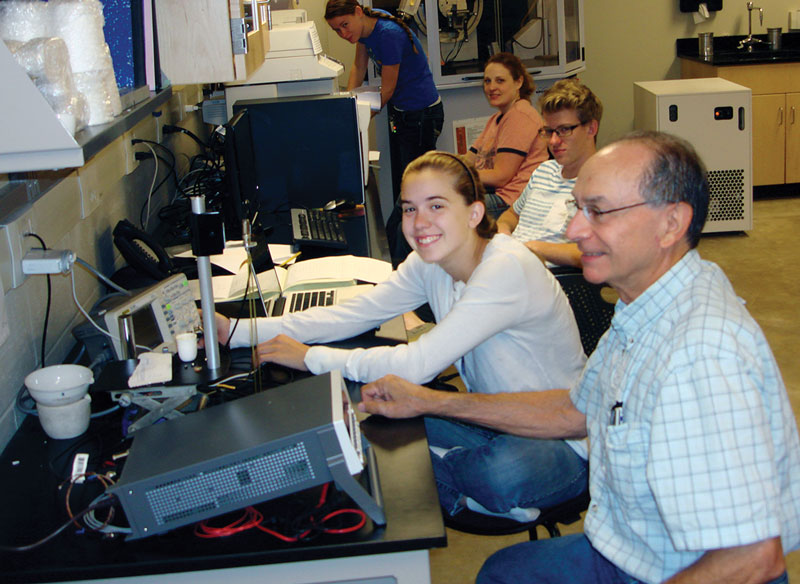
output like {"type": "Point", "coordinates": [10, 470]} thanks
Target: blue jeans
{"type": "Point", "coordinates": [553, 561]}
{"type": "Point", "coordinates": [501, 471]}
{"type": "Point", "coordinates": [495, 205]}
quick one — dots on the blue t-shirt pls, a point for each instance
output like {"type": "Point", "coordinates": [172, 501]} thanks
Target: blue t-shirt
{"type": "Point", "coordinates": [388, 44]}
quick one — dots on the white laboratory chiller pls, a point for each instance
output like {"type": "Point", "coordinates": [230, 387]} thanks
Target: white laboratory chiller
{"type": "Point", "coordinates": [714, 115]}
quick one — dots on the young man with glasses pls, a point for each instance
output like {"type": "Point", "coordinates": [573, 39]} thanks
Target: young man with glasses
{"type": "Point", "coordinates": [539, 216]}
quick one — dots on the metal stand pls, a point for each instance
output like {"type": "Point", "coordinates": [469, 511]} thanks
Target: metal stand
{"type": "Point", "coordinates": [207, 297]}
{"type": "Point", "coordinates": [160, 401]}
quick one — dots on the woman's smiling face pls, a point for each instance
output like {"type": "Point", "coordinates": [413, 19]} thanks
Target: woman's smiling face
{"type": "Point", "coordinates": [437, 222]}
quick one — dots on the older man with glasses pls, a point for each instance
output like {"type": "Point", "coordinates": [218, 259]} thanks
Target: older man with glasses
{"type": "Point", "coordinates": [695, 455]}
{"type": "Point", "coordinates": [538, 218]}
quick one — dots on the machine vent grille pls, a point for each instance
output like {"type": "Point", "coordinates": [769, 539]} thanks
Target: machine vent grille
{"type": "Point", "coordinates": [223, 487]}
{"type": "Point", "coordinates": [726, 195]}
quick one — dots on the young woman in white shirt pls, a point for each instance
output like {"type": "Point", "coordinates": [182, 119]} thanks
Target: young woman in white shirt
{"type": "Point", "coordinates": [501, 316]}
{"type": "Point", "coordinates": [502, 319]}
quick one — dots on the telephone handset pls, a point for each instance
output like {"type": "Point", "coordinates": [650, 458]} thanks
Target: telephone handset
{"type": "Point", "coordinates": [142, 251]}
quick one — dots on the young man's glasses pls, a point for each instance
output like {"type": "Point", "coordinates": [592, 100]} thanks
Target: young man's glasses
{"type": "Point", "coordinates": [561, 131]}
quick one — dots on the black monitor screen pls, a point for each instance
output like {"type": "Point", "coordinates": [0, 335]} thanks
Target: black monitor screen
{"type": "Point", "coordinates": [240, 174]}
{"type": "Point", "coordinates": [307, 151]}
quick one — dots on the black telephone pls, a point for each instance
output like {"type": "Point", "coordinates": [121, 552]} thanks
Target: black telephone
{"type": "Point", "coordinates": [142, 251]}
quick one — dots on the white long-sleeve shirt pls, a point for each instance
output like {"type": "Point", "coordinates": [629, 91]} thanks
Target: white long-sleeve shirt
{"type": "Point", "coordinates": [509, 328]}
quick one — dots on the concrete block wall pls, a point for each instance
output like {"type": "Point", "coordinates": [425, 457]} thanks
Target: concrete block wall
{"type": "Point", "coordinates": [77, 210]}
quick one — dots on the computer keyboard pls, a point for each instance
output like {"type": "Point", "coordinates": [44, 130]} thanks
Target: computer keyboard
{"type": "Point", "coordinates": [311, 226]}
{"type": "Point", "coordinates": [299, 301]}
{"type": "Point", "coordinates": [305, 300]}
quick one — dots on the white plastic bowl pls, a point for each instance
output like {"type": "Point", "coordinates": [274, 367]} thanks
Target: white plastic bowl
{"type": "Point", "coordinates": [66, 421]}
{"type": "Point", "coordinates": [59, 385]}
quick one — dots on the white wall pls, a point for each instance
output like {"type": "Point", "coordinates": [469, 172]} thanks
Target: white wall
{"type": "Point", "coordinates": [635, 41]}
{"type": "Point", "coordinates": [625, 42]}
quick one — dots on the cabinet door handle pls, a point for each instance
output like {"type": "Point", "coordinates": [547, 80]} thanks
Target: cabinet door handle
{"type": "Point", "coordinates": [780, 116]}
{"type": "Point", "coordinates": [792, 116]}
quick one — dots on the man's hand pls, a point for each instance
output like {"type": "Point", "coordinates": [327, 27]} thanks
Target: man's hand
{"type": "Point", "coordinates": [283, 350]}
{"type": "Point", "coordinates": [394, 397]}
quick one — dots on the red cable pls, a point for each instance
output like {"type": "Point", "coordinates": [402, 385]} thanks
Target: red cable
{"type": "Point", "coordinates": [252, 518]}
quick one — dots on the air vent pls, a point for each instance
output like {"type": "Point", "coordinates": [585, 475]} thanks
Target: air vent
{"type": "Point", "coordinates": [726, 195]}
{"type": "Point", "coordinates": [196, 494]}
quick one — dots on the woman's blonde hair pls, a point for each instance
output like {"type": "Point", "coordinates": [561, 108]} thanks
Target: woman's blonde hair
{"type": "Point", "coordinates": [465, 181]}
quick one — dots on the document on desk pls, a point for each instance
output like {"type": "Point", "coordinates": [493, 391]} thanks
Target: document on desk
{"type": "Point", "coordinates": [317, 273]}
{"type": "Point", "coordinates": [233, 256]}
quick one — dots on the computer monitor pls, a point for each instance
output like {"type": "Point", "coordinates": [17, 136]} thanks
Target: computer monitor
{"type": "Point", "coordinates": [307, 151]}
{"type": "Point", "coordinates": [240, 175]}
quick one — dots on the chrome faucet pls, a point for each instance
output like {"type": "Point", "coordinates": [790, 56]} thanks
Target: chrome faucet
{"type": "Point", "coordinates": [749, 42]}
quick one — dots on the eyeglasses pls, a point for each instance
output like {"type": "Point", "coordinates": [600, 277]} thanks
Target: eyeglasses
{"type": "Point", "coordinates": [561, 131]}
{"type": "Point", "coordinates": [595, 215]}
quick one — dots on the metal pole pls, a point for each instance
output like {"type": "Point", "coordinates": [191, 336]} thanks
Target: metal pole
{"type": "Point", "coordinates": [207, 297]}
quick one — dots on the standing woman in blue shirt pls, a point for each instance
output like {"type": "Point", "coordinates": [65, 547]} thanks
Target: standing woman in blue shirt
{"type": "Point", "coordinates": [415, 111]}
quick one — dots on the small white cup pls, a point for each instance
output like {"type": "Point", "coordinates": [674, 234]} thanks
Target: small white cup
{"type": "Point", "coordinates": [187, 346]}
{"type": "Point", "coordinates": [65, 421]}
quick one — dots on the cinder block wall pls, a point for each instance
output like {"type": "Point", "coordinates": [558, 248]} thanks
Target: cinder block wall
{"type": "Point", "coordinates": [107, 194]}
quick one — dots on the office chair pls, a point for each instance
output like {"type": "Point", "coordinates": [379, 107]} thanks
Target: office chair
{"type": "Point", "coordinates": [476, 523]}
{"type": "Point", "coordinates": [593, 314]}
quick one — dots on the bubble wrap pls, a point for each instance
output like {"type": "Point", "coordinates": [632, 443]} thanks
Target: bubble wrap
{"type": "Point", "coordinates": [23, 20]}
{"type": "Point", "coordinates": [80, 24]}
{"type": "Point", "coordinates": [45, 58]}
{"type": "Point", "coordinates": [95, 89]}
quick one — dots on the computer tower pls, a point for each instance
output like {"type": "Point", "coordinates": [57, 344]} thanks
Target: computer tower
{"type": "Point", "coordinates": [714, 115]}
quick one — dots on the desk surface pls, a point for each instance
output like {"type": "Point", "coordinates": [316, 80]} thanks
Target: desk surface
{"type": "Point", "coordinates": [33, 506]}
{"type": "Point", "coordinates": [33, 466]}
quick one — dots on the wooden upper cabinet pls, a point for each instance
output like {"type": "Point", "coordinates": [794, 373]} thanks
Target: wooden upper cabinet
{"type": "Point", "coordinates": [196, 39]}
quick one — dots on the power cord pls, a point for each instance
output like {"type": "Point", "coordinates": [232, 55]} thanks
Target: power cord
{"type": "Point", "coordinates": [49, 299]}
{"type": "Point", "coordinates": [104, 502]}
{"type": "Point", "coordinates": [170, 129]}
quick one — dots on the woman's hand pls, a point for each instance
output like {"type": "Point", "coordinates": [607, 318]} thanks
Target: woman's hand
{"type": "Point", "coordinates": [285, 351]}
{"type": "Point", "coordinates": [223, 326]}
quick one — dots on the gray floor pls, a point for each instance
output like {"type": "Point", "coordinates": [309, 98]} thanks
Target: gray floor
{"type": "Point", "coordinates": [764, 269]}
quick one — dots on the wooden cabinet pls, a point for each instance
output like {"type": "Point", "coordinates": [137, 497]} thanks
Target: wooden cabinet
{"type": "Point", "coordinates": [776, 115]}
{"type": "Point", "coordinates": [769, 139]}
{"type": "Point", "coordinates": [792, 137]}
{"type": "Point", "coordinates": [197, 39]}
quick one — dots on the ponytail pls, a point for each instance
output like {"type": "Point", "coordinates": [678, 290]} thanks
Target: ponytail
{"type": "Point", "coordinates": [336, 8]}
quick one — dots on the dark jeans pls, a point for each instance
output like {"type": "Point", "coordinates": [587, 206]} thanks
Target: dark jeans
{"type": "Point", "coordinates": [570, 558]}
{"type": "Point", "coordinates": [411, 134]}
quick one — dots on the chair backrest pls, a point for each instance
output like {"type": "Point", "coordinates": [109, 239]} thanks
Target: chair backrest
{"type": "Point", "coordinates": [593, 313]}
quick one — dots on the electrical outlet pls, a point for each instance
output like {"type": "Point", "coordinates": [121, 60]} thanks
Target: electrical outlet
{"type": "Point", "coordinates": [145, 130]}
{"type": "Point", "coordinates": [159, 122]}
{"type": "Point", "coordinates": [13, 247]}
{"type": "Point", "coordinates": [794, 20]}
{"type": "Point", "coordinates": [175, 108]}
{"type": "Point", "coordinates": [131, 163]}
